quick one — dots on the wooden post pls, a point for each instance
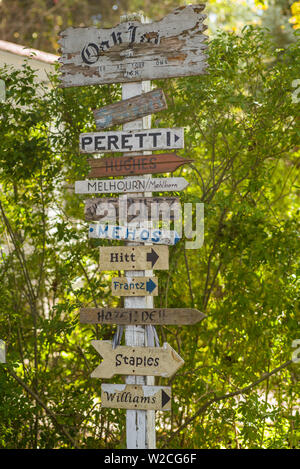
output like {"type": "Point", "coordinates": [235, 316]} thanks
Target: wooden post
{"type": "Point", "coordinates": [140, 424]}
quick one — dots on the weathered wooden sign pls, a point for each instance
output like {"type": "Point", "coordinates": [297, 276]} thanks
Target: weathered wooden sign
{"type": "Point", "coordinates": [131, 140]}
{"type": "Point", "coordinates": [140, 235]}
{"type": "Point", "coordinates": [110, 186]}
{"type": "Point", "coordinates": [138, 361]}
{"type": "Point", "coordinates": [136, 286]}
{"type": "Point", "coordinates": [141, 316]}
{"type": "Point", "coordinates": [140, 164]}
{"type": "Point", "coordinates": [130, 109]}
{"type": "Point", "coordinates": [131, 51]}
{"type": "Point", "coordinates": [129, 208]}
{"type": "Point", "coordinates": [134, 258]}
{"type": "Point", "coordinates": [135, 396]}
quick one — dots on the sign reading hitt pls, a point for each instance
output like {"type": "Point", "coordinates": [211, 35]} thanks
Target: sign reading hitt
{"type": "Point", "coordinates": [131, 51]}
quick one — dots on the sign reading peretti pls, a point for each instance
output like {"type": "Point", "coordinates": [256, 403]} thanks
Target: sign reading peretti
{"type": "Point", "coordinates": [138, 361]}
{"type": "Point", "coordinates": [135, 396]}
{"type": "Point", "coordinates": [132, 140]}
{"type": "Point", "coordinates": [131, 51]}
{"type": "Point", "coordinates": [110, 186]}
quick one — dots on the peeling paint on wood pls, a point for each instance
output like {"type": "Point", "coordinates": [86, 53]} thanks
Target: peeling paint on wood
{"type": "Point", "coordinates": [128, 209]}
{"type": "Point", "coordinates": [172, 47]}
{"type": "Point", "coordinates": [130, 109]}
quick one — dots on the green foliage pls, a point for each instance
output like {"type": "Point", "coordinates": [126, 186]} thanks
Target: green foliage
{"type": "Point", "coordinates": [240, 123]}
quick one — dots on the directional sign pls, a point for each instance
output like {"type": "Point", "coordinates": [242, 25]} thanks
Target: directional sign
{"type": "Point", "coordinates": [137, 361]}
{"type": "Point", "coordinates": [130, 109]}
{"type": "Point", "coordinates": [134, 258]}
{"type": "Point", "coordinates": [135, 396]}
{"type": "Point", "coordinates": [110, 186]}
{"type": "Point", "coordinates": [137, 286]}
{"type": "Point", "coordinates": [131, 51]}
{"type": "Point", "coordinates": [128, 208]}
{"type": "Point", "coordinates": [140, 235]}
{"type": "Point", "coordinates": [140, 164]}
{"type": "Point", "coordinates": [158, 316]}
{"type": "Point", "coordinates": [131, 140]}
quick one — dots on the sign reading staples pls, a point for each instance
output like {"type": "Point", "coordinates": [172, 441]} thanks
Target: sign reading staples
{"type": "Point", "coordinates": [140, 235]}
{"type": "Point", "coordinates": [131, 51]}
{"type": "Point", "coordinates": [138, 286]}
{"type": "Point", "coordinates": [138, 361]}
{"type": "Point", "coordinates": [135, 396]}
{"type": "Point", "coordinates": [130, 109]}
{"type": "Point", "coordinates": [154, 316]}
{"type": "Point", "coordinates": [134, 258]}
{"type": "Point", "coordinates": [131, 140]}
{"type": "Point", "coordinates": [110, 186]}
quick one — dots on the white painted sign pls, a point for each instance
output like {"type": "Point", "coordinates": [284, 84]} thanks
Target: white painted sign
{"type": "Point", "coordinates": [131, 140]}
{"type": "Point", "coordinates": [140, 235]}
{"type": "Point", "coordinates": [109, 186]}
{"type": "Point", "coordinates": [131, 51]}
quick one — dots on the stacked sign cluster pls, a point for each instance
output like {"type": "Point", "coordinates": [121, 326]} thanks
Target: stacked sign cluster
{"type": "Point", "coordinates": [134, 52]}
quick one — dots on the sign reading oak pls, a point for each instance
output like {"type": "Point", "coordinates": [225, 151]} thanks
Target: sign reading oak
{"type": "Point", "coordinates": [131, 51]}
{"type": "Point", "coordinates": [124, 316]}
{"type": "Point", "coordinates": [130, 109]}
{"type": "Point", "coordinates": [139, 286]}
{"type": "Point", "coordinates": [134, 258]}
{"type": "Point", "coordinates": [131, 140]}
{"type": "Point", "coordinates": [139, 164]}
{"type": "Point", "coordinates": [138, 361]}
{"type": "Point", "coordinates": [135, 396]}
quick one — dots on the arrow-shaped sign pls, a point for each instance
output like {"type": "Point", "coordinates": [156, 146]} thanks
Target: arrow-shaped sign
{"type": "Point", "coordinates": [110, 186]}
{"type": "Point", "coordinates": [154, 316]}
{"type": "Point", "coordinates": [139, 164]}
{"type": "Point", "coordinates": [141, 235]}
{"type": "Point", "coordinates": [137, 361]}
{"type": "Point", "coordinates": [137, 286]}
{"type": "Point", "coordinates": [132, 140]}
{"type": "Point", "coordinates": [134, 257]}
{"type": "Point", "coordinates": [135, 396]}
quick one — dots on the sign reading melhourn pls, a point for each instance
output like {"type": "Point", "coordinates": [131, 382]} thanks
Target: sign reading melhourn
{"type": "Point", "coordinates": [131, 51]}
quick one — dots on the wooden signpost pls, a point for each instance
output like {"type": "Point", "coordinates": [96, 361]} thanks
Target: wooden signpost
{"type": "Point", "coordinates": [143, 207]}
{"type": "Point", "coordinates": [134, 396]}
{"type": "Point", "coordinates": [128, 233]}
{"type": "Point", "coordinates": [131, 140]}
{"type": "Point", "coordinates": [138, 361]}
{"type": "Point", "coordinates": [153, 316]}
{"type": "Point", "coordinates": [139, 164]}
{"type": "Point", "coordinates": [135, 286]}
{"type": "Point", "coordinates": [110, 186]}
{"type": "Point", "coordinates": [130, 109]}
{"type": "Point", "coordinates": [134, 258]}
{"type": "Point", "coordinates": [131, 51]}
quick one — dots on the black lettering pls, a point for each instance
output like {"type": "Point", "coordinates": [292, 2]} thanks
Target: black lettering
{"type": "Point", "coordinates": [141, 139]}
{"type": "Point", "coordinates": [98, 139]}
{"type": "Point", "coordinates": [154, 136]}
{"type": "Point", "coordinates": [85, 141]}
{"type": "Point", "coordinates": [156, 362]}
{"type": "Point", "coordinates": [112, 140]}
{"type": "Point", "coordinates": [118, 361]}
{"type": "Point", "coordinates": [124, 140]}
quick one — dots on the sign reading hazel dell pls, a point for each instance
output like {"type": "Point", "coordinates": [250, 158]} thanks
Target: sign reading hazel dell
{"type": "Point", "coordinates": [131, 51]}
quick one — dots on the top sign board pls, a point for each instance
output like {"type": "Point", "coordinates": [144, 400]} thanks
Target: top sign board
{"type": "Point", "coordinates": [131, 51]}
